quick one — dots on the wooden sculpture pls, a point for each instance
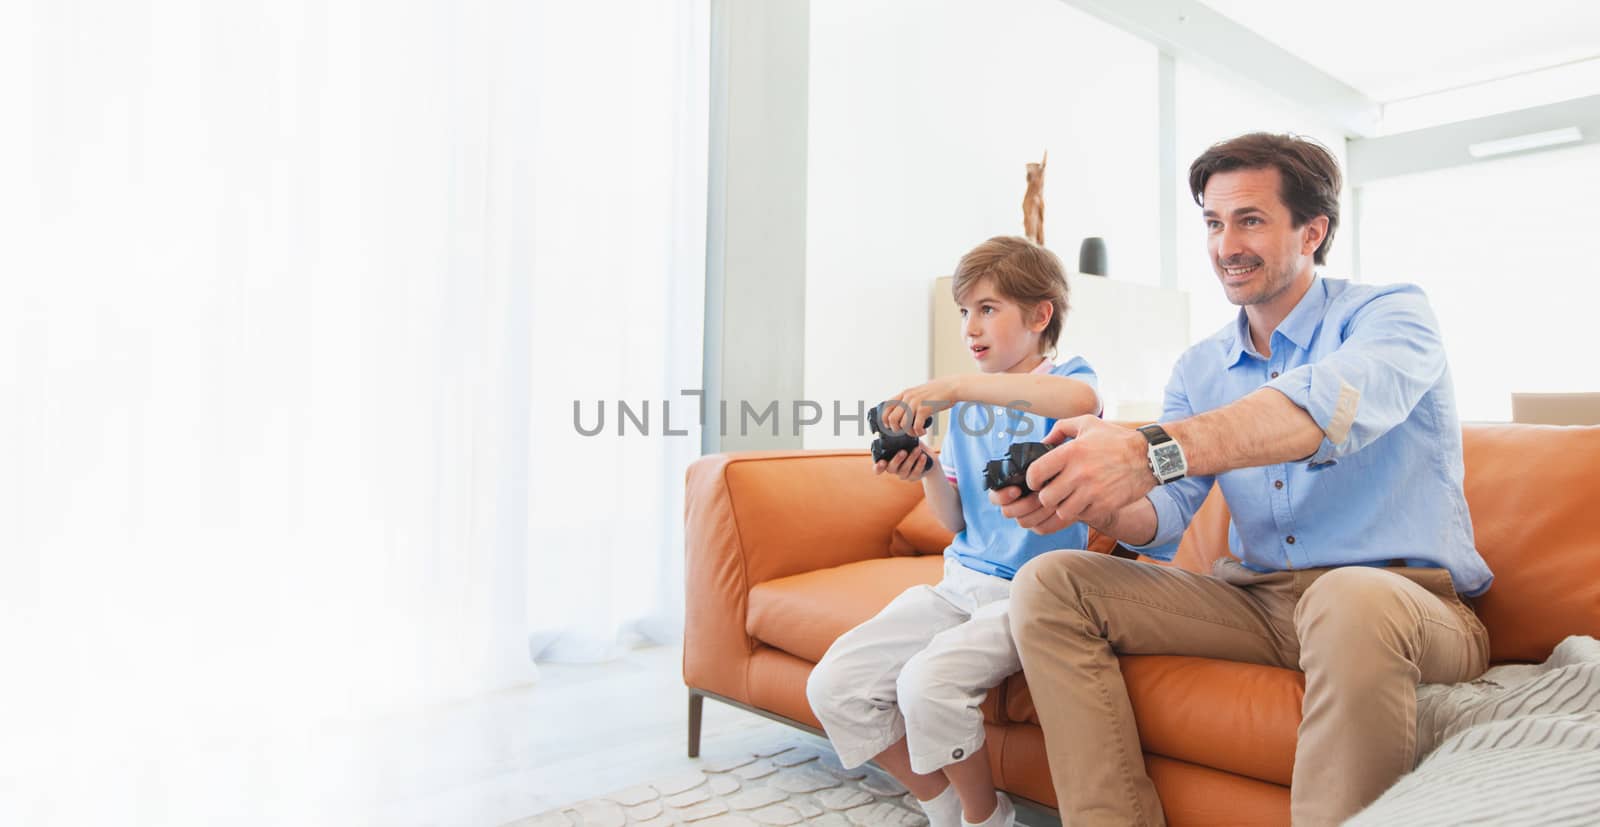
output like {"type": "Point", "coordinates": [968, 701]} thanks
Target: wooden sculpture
{"type": "Point", "coordinates": [1033, 202]}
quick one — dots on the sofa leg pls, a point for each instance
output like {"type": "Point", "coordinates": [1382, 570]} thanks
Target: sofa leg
{"type": "Point", "coordinates": [696, 703]}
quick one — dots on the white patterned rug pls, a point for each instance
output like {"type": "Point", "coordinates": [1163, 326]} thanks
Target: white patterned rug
{"type": "Point", "coordinates": [789, 784]}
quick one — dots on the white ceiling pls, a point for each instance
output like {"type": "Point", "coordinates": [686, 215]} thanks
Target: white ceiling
{"type": "Point", "coordinates": [1394, 49]}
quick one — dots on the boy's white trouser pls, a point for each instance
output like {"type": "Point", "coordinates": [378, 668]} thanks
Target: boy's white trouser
{"type": "Point", "coordinates": [918, 670]}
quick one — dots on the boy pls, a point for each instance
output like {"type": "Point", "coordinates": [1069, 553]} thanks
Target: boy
{"type": "Point", "coordinates": [904, 687]}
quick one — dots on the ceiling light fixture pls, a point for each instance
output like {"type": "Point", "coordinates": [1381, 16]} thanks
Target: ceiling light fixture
{"type": "Point", "coordinates": [1532, 140]}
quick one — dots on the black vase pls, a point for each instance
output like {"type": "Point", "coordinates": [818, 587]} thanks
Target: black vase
{"type": "Point", "coordinates": [1092, 256]}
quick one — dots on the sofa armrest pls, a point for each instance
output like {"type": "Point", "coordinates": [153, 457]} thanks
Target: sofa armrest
{"type": "Point", "coordinates": [755, 516]}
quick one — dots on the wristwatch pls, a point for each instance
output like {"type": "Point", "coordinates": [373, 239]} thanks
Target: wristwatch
{"type": "Point", "coordinates": [1166, 455]}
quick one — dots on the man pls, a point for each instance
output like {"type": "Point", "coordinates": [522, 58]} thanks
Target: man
{"type": "Point", "coordinates": [1327, 415]}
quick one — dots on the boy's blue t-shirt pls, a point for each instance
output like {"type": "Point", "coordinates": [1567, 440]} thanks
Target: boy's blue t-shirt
{"type": "Point", "coordinates": [993, 543]}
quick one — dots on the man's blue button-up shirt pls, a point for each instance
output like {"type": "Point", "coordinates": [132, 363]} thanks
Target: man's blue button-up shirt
{"type": "Point", "coordinates": [1367, 363]}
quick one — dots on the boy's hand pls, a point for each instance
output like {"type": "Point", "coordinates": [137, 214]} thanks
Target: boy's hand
{"type": "Point", "coordinates": [921, 402]}
{"type": "Point", "coordinates": [1027, 511]}
{"type": "Point", "coordinates": [910, 468]}
{"type": "Point", "coordinates": [1042, 511]}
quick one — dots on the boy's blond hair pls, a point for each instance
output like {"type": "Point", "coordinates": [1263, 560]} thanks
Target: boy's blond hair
{"type": "Point", "coordinates": [1022, 272]}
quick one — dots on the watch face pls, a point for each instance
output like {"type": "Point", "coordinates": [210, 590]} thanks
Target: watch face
{"type": "Point", "coordinates": [1168, 460]}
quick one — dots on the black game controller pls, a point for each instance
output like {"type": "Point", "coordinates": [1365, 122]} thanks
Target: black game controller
{"type": "Point", "coordinates": [1013, 468]}
{"type": "Point", "coordinates": [889, 443]}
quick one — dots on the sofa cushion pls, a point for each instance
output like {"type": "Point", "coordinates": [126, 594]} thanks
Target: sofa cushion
{"type": "Point", "coordinates": [1190, 794]}
{"type": "Point", "coordinates": [802, 614]}
{"type": "Point", "coordinates": [920, 532]}
{"type": "Point", "coordinates": [1238, 717]}
{"type": "Point", "coordinates": [1528, 488]}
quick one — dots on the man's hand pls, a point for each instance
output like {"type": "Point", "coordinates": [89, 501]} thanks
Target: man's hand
{"type": "Point", "coordinates": [920, 402]}
{"type": "Point", "coordinates": [910, 467]}
{"type": "Point", "coordinates": [1104, 468]}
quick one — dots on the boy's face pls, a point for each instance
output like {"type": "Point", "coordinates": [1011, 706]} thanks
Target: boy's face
{"type": "Point", "coordinates": [998, 334]}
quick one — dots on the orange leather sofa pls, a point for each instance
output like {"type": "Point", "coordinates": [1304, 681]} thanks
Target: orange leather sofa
{"type": "Point", "coordinates": [786, 550]}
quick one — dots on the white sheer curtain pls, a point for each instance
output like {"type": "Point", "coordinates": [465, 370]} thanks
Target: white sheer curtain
{"type": "Point", "coordinates": [295, 297]}
{"type": "Point", "coordinates": [619, 242]}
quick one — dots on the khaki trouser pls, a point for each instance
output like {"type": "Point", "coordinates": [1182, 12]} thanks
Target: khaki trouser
{"type": "Point", "coordinates": [1365, 637]}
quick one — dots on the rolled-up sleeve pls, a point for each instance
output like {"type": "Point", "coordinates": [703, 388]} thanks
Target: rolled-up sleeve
{"type": "Point", "coordinates": [1390, 355]}
{"type": "Point", "coordinates": [1175, 502]}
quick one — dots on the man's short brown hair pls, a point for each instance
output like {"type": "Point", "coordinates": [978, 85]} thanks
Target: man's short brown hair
{"type": "Point", "coordinates": [1023, 272]}
{"type": "Point", "coordinates": [1309, 175]}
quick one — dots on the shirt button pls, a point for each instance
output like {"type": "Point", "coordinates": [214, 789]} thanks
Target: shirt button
{"type": "Point", "coordinates": [1291, 539]}
{"type": "Point", "coordinates": [1277, 484]}
{"type": "Point", "coordinates": [1274, 374]}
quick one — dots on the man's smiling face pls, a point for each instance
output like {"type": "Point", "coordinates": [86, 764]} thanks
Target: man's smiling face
{"type": "Point", "coordinates": [1256, 250]}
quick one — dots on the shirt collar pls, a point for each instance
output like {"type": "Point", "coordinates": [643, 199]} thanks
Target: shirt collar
{"type": "Point", "coordinates": [1044, 366]}
{"type": "Point", "coordinates": [1301, 323]}
{"type": "Point", "coordinates": [1240, 345]}
{"type": "Point", "coordinates": [1298, 327]}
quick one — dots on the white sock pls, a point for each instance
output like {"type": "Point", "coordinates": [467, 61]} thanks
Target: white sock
{"type": "Point", "coordinates": [944, 809]}
{"type": "Point", "coordinates": [1004, 814]}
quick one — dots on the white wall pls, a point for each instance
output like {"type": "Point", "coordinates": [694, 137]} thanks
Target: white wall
{"type": "Point", "coordinates": [1214, 105]}
{"type": "Point", "coordinates": [1505, 250]}
{"type": "Point", "coordinates": [922, 115]}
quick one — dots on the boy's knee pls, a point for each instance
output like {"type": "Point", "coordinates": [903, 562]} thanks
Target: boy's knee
{"type": "Point", "coordinates": [823, 690]}
{"type": "Point", "coordinates": [921, 682]}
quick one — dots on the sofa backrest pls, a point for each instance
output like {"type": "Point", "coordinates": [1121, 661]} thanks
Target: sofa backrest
{"type": "Point", "coordinates": [827, 504]}
{"type": "Point", "coordinates": [1529, 490]}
